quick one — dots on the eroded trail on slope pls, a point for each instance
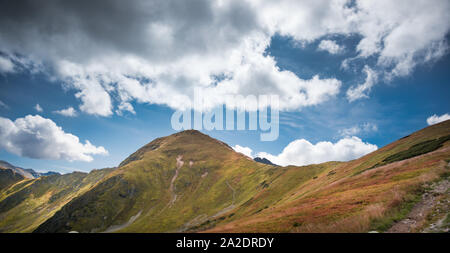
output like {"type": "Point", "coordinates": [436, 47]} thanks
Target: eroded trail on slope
{"type": "Point", "coordinates": [234, 192]}
{"type": "Point", "coordinates": [204, 217]}
{"type": "Point", "coordinates": [228, 208]}
{"type": "Point", "coordinates": [115, 228]}
{"type": "Point", "coordinates": [172, 181]}
{"type": "Point", "coordinates": [172, 188]}
{"type": "Point", "coordinates": [435, 202]}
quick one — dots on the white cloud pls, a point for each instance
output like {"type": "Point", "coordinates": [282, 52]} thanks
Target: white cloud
{"type": "Point", "coordinates": [361, 90]}
{"type": "Point", "coordinates": [125, 106]}
{"type": "Point", "coordinates": [6, 65]}
{"type": "Point", "coordinates": [302, 152]}
{"type": "Point", "coordinates": [395, 30]}
{"type": "Point", "coordinates": [68, 112]}
{"type": "Point", "coordinates": [159, 51]}
{"type": "Point", "coordinates": [350, 131]}
{"type": "Point", "coordinates": [251, 73]}
{"type": "Point", "coordinates": [434, 119]}
{"type": "Point", "coordinates": [160, 57]}
{"type": "Point", "coordinates": [306, 20]}
{"type": "Point", "coordinates": [330, 46]}
{"type": "Point", "coordinates": [243, 150]}
{"type": "Point", "coordinates": [38, 108]}
{"type": "Point", "coordinates": [92, 90]}
{"type": "Point", "coordinates": [40, 138]}
{"type": "Point", "coordinates": [358, 129]}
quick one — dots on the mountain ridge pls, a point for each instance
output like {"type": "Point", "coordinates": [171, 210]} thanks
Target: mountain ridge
{"type": "Point", "coordinates": [28, 173]}
{"type": "Point", "coordinates": [190, 182]}
{"type": "Point", "coordinates": [263, 160]}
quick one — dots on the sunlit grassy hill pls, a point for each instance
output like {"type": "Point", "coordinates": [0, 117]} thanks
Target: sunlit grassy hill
{"type": "Point", "coordinates": [25, 204]}
{"type": "Point", "coordinates": [370, 193]}
{"type": "Point", "coordinates": [171, 184]}
{"type": "Point", "coordinates": [8, 177]}
{"type": "Point", "coordinates": [190, 182]}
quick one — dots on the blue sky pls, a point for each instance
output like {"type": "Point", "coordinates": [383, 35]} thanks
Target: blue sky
{"type": "Point", "coordinates": [394, 105]}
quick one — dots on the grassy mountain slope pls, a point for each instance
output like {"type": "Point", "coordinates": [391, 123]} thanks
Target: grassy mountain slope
{"type": "Point", "coordinates": [168, 183]}
{"type": "Point", "coordinates": [370, 193]}
{"type": "Point", "coordinates": [8, 177]}
{"type": "Point", "coordinates": [26, 203]}
{"type": "Point", "coordinates": [25, 173]}
{"type": "Point", "coordinates": [191, 182]}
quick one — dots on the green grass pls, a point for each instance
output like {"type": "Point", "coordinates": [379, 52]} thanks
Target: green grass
{"type": "Point", "coordinates": [142, 184]}
{"type": "Point", "coordinates": [447, 220]}
{"type": "Point", "coordinates": [222, 190]}
{"type": "Point", "coordinates": [417, 149]}
{"type": "Point", "coordinates": [401, 211]}
{"type": "Point", "coordinates": [234, 188]}
{"type": "Point", "coordinates": [27, 204]}
{"type": "Point", "coordinates": [297, 224]}
{"type": "Point", "coordinates": [8, 178]}
{"type": "Point", "coordinates": [397, 213]}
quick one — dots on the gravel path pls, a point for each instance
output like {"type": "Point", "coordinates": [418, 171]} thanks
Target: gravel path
{"type": "Point", "coordinates": [417, 218]}
{"type": "Point", "coordinates": [115, 228]}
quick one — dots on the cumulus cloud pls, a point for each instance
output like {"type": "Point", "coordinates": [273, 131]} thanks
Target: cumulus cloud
{"type": "Point", "coordinates": [243, 150]}
{"type": "Point", "coordinates": [397, 35]}
{"type": "Point", "coordinates": [115, 52]}
{"type": "Point", "coordinates": [434, 119]}
{"type": "Point", "coordinates": [330, 46]}
{"type": "Point", "coordinates": [40, 138]}
{"type": "Point", "coordinates": [361, 90]}
{"type": "Point", "coordinates": [68, 112]}
{"type": "Point", "coordinates": [38, 108]}
{"type": "Point", "coordinates": [359, 129]}
{"type": "Point", "coordinates": [302, 152]}
{"type": "Point", "coordinates": [392, 30]}
{"type": "Point", "coordinates": [306, 20]}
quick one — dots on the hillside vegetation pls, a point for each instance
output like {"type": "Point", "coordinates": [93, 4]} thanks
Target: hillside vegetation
{"type": "Point", "coordinates": [29, 202]}
{"type": "Point", "coordinates": [8, 177]}
{"type": "Point", "coordinates": [190, 182]}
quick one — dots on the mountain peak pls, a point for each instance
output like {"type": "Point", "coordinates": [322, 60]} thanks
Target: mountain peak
{"type": "Point", "coordinates": [180, 142]}
{"type": "Point", "coordinates": [263, 160]}
{"type": "Point", "coordinates": [190, 182]}
{"type": "Point", "coordinates": [189, 132]}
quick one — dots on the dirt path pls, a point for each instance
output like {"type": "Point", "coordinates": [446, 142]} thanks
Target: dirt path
{"type": "Point", "coordinates": [115, 228]}
{"type": "Point", "coordinates": [431, 203]}
{"type": "Point", "coordinates": [228, 208]}
{"type": "Point", "coordinates": [203, 217]}
{"type": "Point", "coordinates": [234, 192]}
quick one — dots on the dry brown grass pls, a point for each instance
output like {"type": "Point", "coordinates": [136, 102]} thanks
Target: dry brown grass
{"type": "Point", "coordinates": [353, 224]}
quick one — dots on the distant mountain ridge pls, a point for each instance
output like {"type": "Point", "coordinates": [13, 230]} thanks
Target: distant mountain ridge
{"type": "Point", "coordinates": [263, 160]}
{"type": "Point", "coordinates": [27, 173]}
{"type": "Point", "coordinates": [9, 177]}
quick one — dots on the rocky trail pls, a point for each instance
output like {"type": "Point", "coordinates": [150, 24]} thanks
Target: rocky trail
{"type": "Point", "coordinates": [430, 213]}
{"type": "Point", "coordinates": [203, 217]}
{"type": "Point", "coordinates": [115, 228]}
